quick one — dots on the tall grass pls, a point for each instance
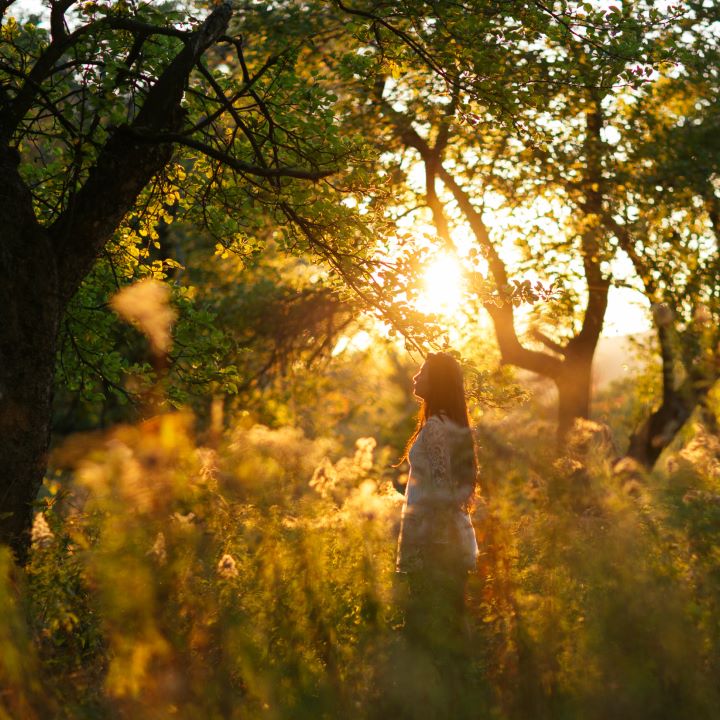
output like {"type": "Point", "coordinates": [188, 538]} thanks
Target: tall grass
{"type": "Point", "coordinates": [255, 578]}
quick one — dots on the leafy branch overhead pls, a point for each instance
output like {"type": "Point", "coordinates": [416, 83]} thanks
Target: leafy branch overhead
{"type": "Point", "coordinates": [117, 105]}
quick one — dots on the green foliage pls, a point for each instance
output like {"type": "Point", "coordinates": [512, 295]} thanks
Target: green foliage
{"type": "Point", "coordinates": [255, 577]}
{"type": "Point", "coordinates": [223, 582]}
{"type": "Point", "coordinates": [104, 367]}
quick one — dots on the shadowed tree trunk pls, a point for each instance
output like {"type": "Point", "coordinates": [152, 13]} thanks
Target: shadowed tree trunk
{"type": "Point", "coordinates": [678, 404]}
{"type": "Point", "coordinates": [571, 372]}
{"type": "Point", "coordinates": [679, 399]}
{"type": "Point", "coordinates": [574, 390]}
{"type": "Point", "coordinates": [41, 268]}
{"type": "Point", "coordinates": [29, 318]}
{"type": "Point", "coordinates": [655, 432]}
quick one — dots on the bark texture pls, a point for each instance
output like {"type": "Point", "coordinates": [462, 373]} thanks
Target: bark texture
{"type": "Point", "coordinates": [41, 268]}
{"type": "Point", "coordinates": [29, 319]}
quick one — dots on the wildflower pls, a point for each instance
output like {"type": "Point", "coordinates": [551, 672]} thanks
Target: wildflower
{"type": "Point", "coordinates": [41, 535]}
{"type": "Point", "coordinates": [568, 466]}
{"type": "Point", "coordinates": [146, 305]}
{"type": "Point", "coordinates": [184, 520]}
{"type": "Point", "coordinates": [702, 314]}
{"type": "Point", "coordinates": [158, 549]}
{"type": "Point", "coordinates": [208, 463]}
{"type": "Point", "coordinates": [324, 478]}
{"type": "Point", "coordinates": [364, 453]}
{"type": "Point", "coordinates": [629, 470]}
{"type": "Point", "coordinates": [633, 488]}
{"type": "Point", "coordinates": [586, 434]}
{"type": "Point", "coordinates": [122, 466]}
{"type": "Point", "coordinates": [703, 452]}
{"type": "Point", "coordinates": [227, 567]}
{"type": "Point", "coordinates": [370, 502]}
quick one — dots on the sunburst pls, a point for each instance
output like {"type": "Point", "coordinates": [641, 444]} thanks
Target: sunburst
{"type": "Point", "coordinates": [442, 286]}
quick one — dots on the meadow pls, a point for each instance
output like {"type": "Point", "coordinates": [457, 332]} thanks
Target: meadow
{"type": "Point", "coordinates": [252, 575]}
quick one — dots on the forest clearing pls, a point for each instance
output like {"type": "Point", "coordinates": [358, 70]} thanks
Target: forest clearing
{"type": "Point", "coordinates": [359, 359]}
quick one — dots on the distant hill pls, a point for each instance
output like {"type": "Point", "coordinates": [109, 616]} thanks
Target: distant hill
{"type": "Point", "coordinates": [617, 356]}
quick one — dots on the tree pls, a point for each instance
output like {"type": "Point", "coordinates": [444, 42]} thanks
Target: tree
{"type": "Point", "coordinates": [97, 146]}
{"type": "Point", "coordinates": [550, 152]}
{"type": "Point", "coordinates": [83, 134]}
{"type": "Point", "coordinates": [666, 217]}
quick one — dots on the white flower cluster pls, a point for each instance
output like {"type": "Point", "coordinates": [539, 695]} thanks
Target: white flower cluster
{"type": "Point", "coordinates": [227, 567]}
{"type": "Point", "coordinates": [41, 536]}
{"type": "Point", "coordinates": [158, 550]}
{"type": "Point", "coordinates": [324, 478]}
{"type": "Point", "coordinates": [364, 448]}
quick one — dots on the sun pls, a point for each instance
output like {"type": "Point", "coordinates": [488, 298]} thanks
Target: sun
{"type": "Point", "coordinates": [442, 286]}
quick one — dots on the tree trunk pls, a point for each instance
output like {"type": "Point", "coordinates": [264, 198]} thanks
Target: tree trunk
{"type": "Point", "coordinates": [29, 319]}
{"type": "Point", "coordinates": [574, 390]}
{"type": "Point", "coordinates": [654, 434]}
{"type": "Point", "coordinates": [41, 269]}
{"type": "Point", "coordinates": [659, 429]}
{"type": "Point", "coordinates": [679, 401]}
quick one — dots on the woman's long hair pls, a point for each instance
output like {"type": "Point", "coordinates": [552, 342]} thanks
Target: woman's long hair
{"type": "Point", "coordinates": [445, 397]}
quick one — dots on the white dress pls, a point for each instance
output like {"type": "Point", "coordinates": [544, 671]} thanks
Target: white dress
{"type": "Point", "coordinates": [434, 521]}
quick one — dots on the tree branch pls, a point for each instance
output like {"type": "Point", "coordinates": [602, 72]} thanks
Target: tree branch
{"type": "Point", "coordinates": [511, 350]}
{"type": "Point", "coordinates": [443, 135]}
{"type": "Point", "coordinates": [61, 42]}
{"type": "Point", "coordinates": [246, 87]}
{"type": "Point", "coordinates": [229, 107]}
{"type": "Point", "coordinates": [126, 164]}
{"type": "Point", "coordinates": [433, 202]}
{"type": "Point", "coordinates": [404, 37]}
{"type": "Point", "coordinates": [431, 157]}
{"type": "Point", "coordinates": [13, 113]}
{"type": "Point", "coordinates": [549, 343]}
{"type": "Point", "coordinates": [58, 8]}
{"type": "Point", "coordinates": [477, 225]}
{"type": "Point", "coordinates": [624, 237]}
{"type": "Point", "coordinates": [229, 160]}
{"type": "Point", "coordinates": [146, 29]}
{"type": "Point", "coordinates": [598, 286]}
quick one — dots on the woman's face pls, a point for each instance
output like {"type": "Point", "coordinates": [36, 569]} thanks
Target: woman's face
{"type": "Point", "coordinates": [421, 382]}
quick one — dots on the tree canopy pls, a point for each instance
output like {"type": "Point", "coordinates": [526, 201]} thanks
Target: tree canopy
{"type": "Point", "coordinates": [138, 136]}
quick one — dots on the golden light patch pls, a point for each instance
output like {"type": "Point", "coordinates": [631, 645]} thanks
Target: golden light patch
{"type": "Point", "coordinates": [442, 286]}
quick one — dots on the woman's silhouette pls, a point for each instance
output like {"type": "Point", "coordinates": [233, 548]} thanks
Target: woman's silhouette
{"type": "Point", "coordinates": [437, 545]}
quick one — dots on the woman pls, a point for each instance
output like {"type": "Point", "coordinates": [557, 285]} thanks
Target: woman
{"type": "Point", "coordinates": [437, 545]}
